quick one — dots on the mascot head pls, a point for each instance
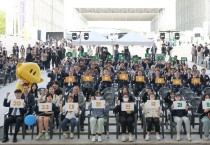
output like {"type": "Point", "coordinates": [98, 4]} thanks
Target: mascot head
{"type": "Point", "coordinates": [29, 72]}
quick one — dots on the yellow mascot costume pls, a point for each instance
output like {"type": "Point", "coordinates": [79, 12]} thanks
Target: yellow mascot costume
{"type": "Point", "coordinates": [28, 73]}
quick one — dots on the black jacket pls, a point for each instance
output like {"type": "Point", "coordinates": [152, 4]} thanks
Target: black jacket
{"type": "Point", "coordinates": [201, 111]}
{"type": "Point", "coordinates": [30, 102]}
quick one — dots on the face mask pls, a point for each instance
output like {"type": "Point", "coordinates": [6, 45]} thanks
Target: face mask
{"type": "Point", "coordinates": [125, 99]}
{"type": "Point", "coordinates": [98, 98]}
{"type": "Point", "coordinates": [207, 99]}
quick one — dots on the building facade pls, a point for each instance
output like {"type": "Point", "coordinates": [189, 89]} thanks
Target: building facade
{"type": "Point", "coordinates": [33, 18]}
{"type": "Point", "coordinates": [191, 14]}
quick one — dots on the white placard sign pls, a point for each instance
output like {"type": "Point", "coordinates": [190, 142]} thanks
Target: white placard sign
{"type": "Point", "coordinates": [43, 107]}
{"type": "Point", "coordinates": [71, 106]}
{"type": "Point", "coordinates": [127, 106]}
{"type": "Point", "coordinates": [152, 104]}
{"type": "Point", "coordinates": [98, 103]}
{"type": "Point", "coordinates": [179, 104]}
{"type": "Point", "coordinates": [17, 103]}
{"type": "Point", "coordinates": [206, 104]}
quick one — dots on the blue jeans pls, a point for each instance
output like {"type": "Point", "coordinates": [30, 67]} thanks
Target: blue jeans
{"type": "Point", "coordinates": [65, 121]}
{"type": "Point", "coordinates": [206, 125]}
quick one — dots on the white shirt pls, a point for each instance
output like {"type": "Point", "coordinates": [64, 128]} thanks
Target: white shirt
{"type": "Point", "coordinates": [17, 113]}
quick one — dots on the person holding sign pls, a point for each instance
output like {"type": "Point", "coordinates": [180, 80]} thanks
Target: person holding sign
{"type": "Point", "coordinates": [70, 81]}
{"type": "Point", "coordinates": [158, 81]}
{"type": "Point", "coordinates": [179, 114]}
{"type": "Point", "coordinates": [79, 98]}
{"type": "Point", "coordinates": [122, 78]}
{"type": "Point", "coordinates": [204, 79]}
{"type": "Point", "coordinates": [152, 114]}
{"type": "Point", "coordinates": [205, 116]}
{"type": "Point", "coordinates": [43, 117]}
{"type": "Point", "coordinates": [98, 115]}
{"type": "Point", "coordinates": [125, 90]}
{"type": "Point", "coordinates": [106, 80]}
{"type": "Point", "coordinates": [70, 117]}
{"type": "Point", "coordinates": [195, 83]}
{"type": "Point", "coordinates": [139, 82]}
{"type": "Point", "coordinates": [87, 84]}
{"type": "Point", "coordinates": [15, 115]}
{"type": "Point", "coordinates": [126, 118]}
{"type": "Point", "coordinates": [176, 82]}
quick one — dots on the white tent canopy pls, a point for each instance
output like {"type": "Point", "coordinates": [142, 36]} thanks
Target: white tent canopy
{"type": "Point", "coordinates": [94, 39]}
{"type": "Point", "coordinates": [133, 38]}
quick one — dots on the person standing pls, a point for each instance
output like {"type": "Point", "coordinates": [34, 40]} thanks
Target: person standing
{"type": "Point", "coordinates": [116, 55]}
{"type": "Point", "coordinates": [193, 52]}
{"type": "Point", "coordinates": [15, 50]}
{"type": "Point", "coordinates": [153, 51]}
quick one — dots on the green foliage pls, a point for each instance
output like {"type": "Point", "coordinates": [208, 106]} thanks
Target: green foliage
{"type": "Point", "coordinates": [2, 22]}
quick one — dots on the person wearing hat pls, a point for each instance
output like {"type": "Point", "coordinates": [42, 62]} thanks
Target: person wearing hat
{"type": "Point", "coordinates": [179, 116]}
{"type": "Point", "coordinates": [98, 117]}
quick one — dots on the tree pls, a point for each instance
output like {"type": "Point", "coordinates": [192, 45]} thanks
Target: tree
{"type": "Point", "coordinates": [2, 22]}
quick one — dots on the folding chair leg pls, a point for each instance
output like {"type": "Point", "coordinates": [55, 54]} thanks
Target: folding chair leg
{"type": "Point", "coordinates": [59, 131]}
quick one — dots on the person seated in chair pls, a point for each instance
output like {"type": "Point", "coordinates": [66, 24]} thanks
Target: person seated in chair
{"type": "Point", "coordinates": [126, 118]}
{"type": "Point", "coordinates": [205, 115]}
{"type": "Point", "coordinates": [195, 87]}
{"type": "Point", "coordinates": [15, 115]}
{"type": "Point", "coordinates": [139, 84]}
{"type": "Point", "coordinates": [157, 85]}
{"type": "Point", "coordinates": [204, 79]}
{"type": "Point", "coordinates": [179, 116]}
{"type": "Point", "coordinates": [176, 87]}
{"type": "Point", "coordinates": [152, 116]}
{"type": "Point", "coordinates": [70, 117]}
{"type": "Point", "coordinates": [122, 81]}
{"type": "Point", "coordinates": [106, 83]}
{"type": "Point", "coordinates": [98, 117]}
{"type": "Point", "coordinates": [43, 118]}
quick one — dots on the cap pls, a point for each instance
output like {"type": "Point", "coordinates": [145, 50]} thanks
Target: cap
{"type": "Point", "coordinates": [177, 94]}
